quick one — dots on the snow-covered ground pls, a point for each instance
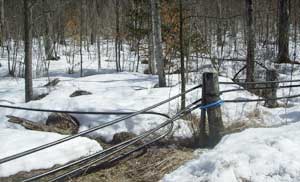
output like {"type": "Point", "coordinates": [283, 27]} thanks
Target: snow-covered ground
{"type": "Point", "coordinates": [260, 154]}
{"type": "Point", "coordinates": [128, 91]}
{"type": "Point", "coordinates": [15, 141]}
{"type": "Point", "coordinates": [111, 91]}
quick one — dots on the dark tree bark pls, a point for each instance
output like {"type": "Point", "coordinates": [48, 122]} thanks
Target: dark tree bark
{"type": "Point", "coordinates": [219, 23]}
{"type": "Point", "coordinates": [28, 49]}
{"type": "Point", "coordinates": [182, 67]}
{"type": "Point", "coordinates": [2, 22]}
{"type": "Point", "coordinates": [250, 42]}
{"type": "Point", "coordinates": [98, 32]}
{"type": "Point", "coordinates": [61, 24]}
{"type": "Point", "coordinates": [151, 64]}
{"type": "Point", "coordinates": [117, 39]}
{"type": "Point", "coordinates": [82, 17]}
{"type": "Point", "coordinates": [283, 31]}
{"type": "Point", "coordinates": [99, 52]}
{"type": "Point", "coordinates": [48, 43]}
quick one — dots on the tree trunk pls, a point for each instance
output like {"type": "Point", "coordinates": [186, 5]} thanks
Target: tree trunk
{"type": "Point", "coordinates": [28, 49]}
{"type": "Point", "coordinates": [82, 15]}
{"type": "Point", "coordinates": [219, 23]}
{"type": "Point", "coordinates": [99, 52]}
{"type": "Point", "coordinates": [157, 42]}
{"type": "Point", "coordinates": [98, 32]}
{"type": "Point", "coordinates": [151, 63]}
{"type": "Point", "coordinates": [8, 60]}
{"type": "Point", "coordinates": [138, 56]}
{"type": "Point", "coordinates": [2, 22]}
{"type": "Point", "coordinates": [48, 32]}
{"type": "Point", "coordinates": [182, 68]}
{"type": "Point", "coordinates": [61, 32]}
{"type": "Point", "coordinates": [250, 42]}
{"type": "Point", "coordinates": [117, 39]}
{"type": "Point", "coordinates": [283, 31]}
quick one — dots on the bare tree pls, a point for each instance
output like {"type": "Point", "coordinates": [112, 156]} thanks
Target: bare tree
{"type": "Point", "coordinates": [157, 42]}
{"type": "Point", "coordinates": [182, 68]}
{"type": "Point", "coordinates": [98, 27]}
{"type": "Point", "coordinates": [250, 41]}
{"type": "Point", "coordinates": [1, 22]}
{"type": "Point", "coordinates": [48, 43]}
{"type": "Point", "coordinates": [82, 18]}
{"type": "Point", "coordinates": [283, 31]}
{"type": "Point", "coordinates": [117, 38]}
{"type": "Point", "coordinates": [219, 23]}
{"type": "Point", "coordinates": [28, 49]}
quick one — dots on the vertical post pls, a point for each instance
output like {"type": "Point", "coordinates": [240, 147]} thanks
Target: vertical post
{"type": "Point", "coordinates": [214, 114]}
{"type": "Point", "coordinates": [271, 75]}
{"type": "Point", "coordinates": [203, 124]}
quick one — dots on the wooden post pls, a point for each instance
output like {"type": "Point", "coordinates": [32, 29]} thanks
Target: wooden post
{"type": "Point", "coordinates": [214, 114]}
{"type": "Point", "coordinates": [271, 75]}
{"type": "Point", "coordinates": [203, 137]}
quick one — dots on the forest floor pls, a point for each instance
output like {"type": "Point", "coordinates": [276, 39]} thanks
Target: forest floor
{"type": "Point", "coordinates": [146, 165]}
{"type": "Point", "coordinates": [258, 154]}
{"type": "Point", "coordinates": [149, 166]}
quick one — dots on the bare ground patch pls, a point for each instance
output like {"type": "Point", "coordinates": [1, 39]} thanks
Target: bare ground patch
{"type": "Point", "coordinates": [149, 167]}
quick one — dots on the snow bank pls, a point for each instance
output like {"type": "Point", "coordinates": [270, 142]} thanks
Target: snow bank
{"type": "Point", "coordinates": [266, 154]}
{"type": "Point", "coordinates": [110, 92]}
{"type": "Point", "coordinates": [15, 141]}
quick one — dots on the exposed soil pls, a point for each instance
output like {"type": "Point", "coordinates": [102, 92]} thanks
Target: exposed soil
{"type": "Point", "coordinates": [145, 166]}
{"type": "Point", "coordinates": [149, 167]}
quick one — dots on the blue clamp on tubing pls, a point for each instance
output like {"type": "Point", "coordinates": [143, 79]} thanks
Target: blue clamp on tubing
{"type": "Point", "coordinates": [214, 104]}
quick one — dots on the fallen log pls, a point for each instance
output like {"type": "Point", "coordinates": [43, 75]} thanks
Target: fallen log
{"type": "Point", "coordinates": [52, 83]}
{"type": "Point", "coordinates": [57, 122]}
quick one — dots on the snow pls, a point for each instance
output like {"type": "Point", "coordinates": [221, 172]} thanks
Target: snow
{"type": "Point", "coordinates": [128, 91]}
{"type": "Point", "coordinates": [110, 92]}
{"type": "Point", "coordinates": [260, 154]}
{"type": "Point", "coordinates": [15, 141]}
{"type": "Point", "coordinates": [257, 154]}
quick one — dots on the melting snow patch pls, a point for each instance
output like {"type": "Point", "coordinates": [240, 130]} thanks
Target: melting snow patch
{"type": "Point", "coordinates": [266, 154]}
{"type": "Point", "coordinates": [16, 141]}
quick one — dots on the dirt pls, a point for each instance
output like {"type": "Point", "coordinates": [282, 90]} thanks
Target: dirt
{"type": "Point", "coordinates": [149, 167]}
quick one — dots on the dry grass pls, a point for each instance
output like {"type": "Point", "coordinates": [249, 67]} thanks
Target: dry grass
{"type": "Point", "coordinates": [150, 167]}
